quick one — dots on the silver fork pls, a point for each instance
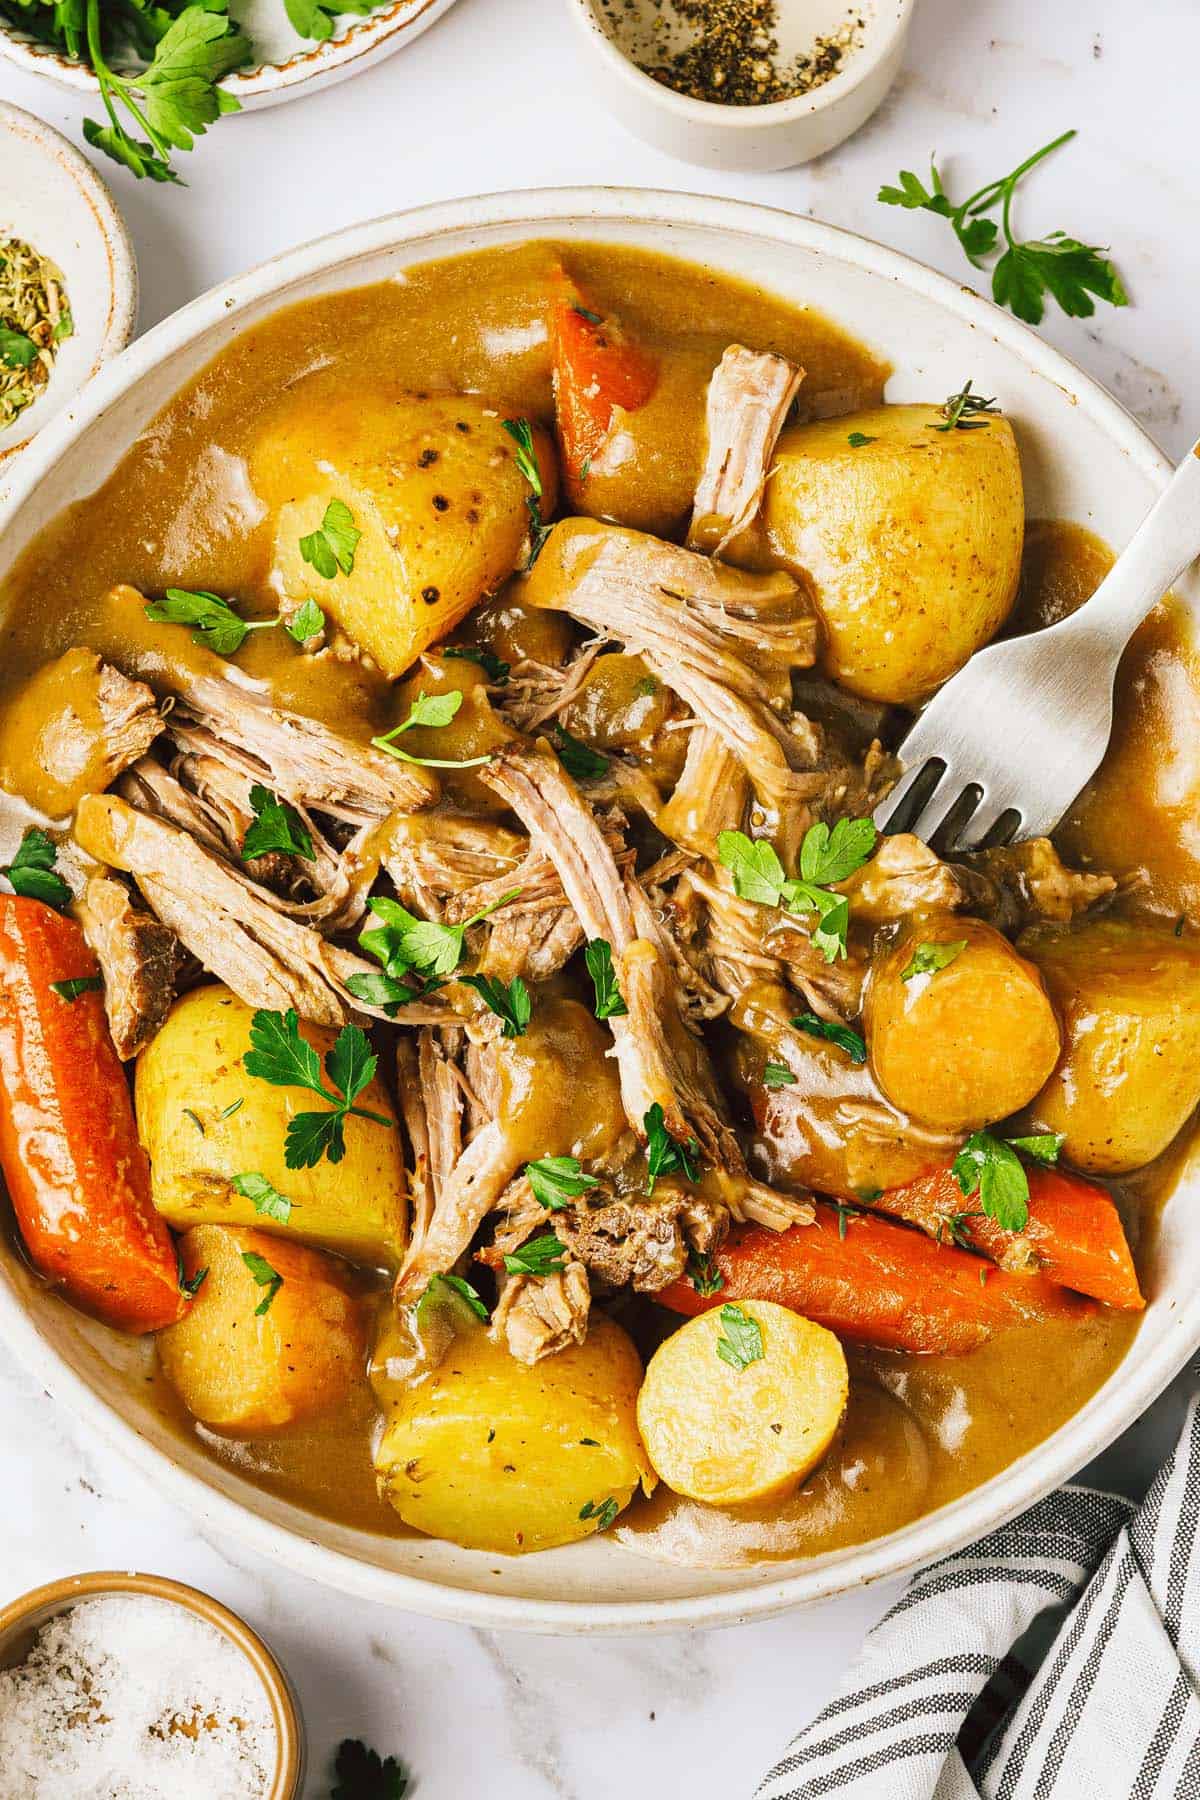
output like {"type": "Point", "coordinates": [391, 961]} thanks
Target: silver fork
{"type": "Point", "coordinates": [1007, 744]}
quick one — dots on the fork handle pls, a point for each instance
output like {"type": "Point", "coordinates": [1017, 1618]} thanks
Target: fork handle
{"type": "Point", "coordinates": [1166, 541]}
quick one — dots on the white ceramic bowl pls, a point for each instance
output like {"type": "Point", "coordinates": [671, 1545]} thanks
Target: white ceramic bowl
{"type": "Point", "coordinates": [288, 63]}
{"type": "Point", "coordinates": [1084, 458]}
{"type": "Point", "coordinates": [52, 197]}
{"type": "Point", "coordinates": [621, 34]}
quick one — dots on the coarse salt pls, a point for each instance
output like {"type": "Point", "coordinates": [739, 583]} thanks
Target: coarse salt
{"type": "Point", "coordinates": [127, 1697]}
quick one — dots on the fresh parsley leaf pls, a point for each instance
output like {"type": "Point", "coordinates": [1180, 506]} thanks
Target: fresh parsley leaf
{"type": "Point", "coordinates": [989, 1168]}
{"type": "Point", "coordinates": [597, 955]}
{"type": "Point", "coordinates": [665, 1155]}
{"type": "Point", "coordinates": [279, 1055]}
{"type": "Point", "coordinates": [835, 1033]}
{"type": "Point", "coordinates": [315, 18]}
{"type": "Point", "coordinates": [32, 874]}
{"type": "Point", "coordinates": [540, 1256]}
{"type": "Point", "coordinates": [227, 1112]}
{"type": "Point", "coordinates": [217, 626]}
{"type": "Point", "coordinates": [521, 433]}
{"type": "Point", "coordinates": [581, 762]}
{"type": "Point", "coordinates": [266, 1199]}
{"type": "Point", "coordinates": [382, 991]}
{"type": "Point", "coordinates": [188, 1285]}
{"type": "Point", "coordinates": [332, 546]}
{"type": "Point", "coordinates": [647, 687]}
{"type": "Point", "coordinates": [277, 826]}
{"type": "Point", "coordinates": [1043, 1148]}
{"type": "Point", "coordinates": [557, 1180]}
{"type": "Point", "coordinates": [704, 1274]}
{"type": "Point", "coordinates": [825, 856]}
{"type": "Point", "coordinates": [757, 871]}
{"type": "Point", "coordinates": [777, 1075]}
{"type": "Point", "coordinates": [741, 1342]}
{"type": "Point", "coordinates": [858, 440]}
{"type": "Point", "coordinates": [603, 1511]}
{"type": "Point", "coordinates": [928, 958]}
{"type": "Point", "coordinates": [81, 984]}
{"type": "Point", "coordinates": [16, 348]}
{"type": "Point", "coordinates": [264, 1277]}
{"type": "Point", "coordinates": [829, 856]}
{"type": "Point", "coordinates": [960, 411]}
{"type": "Point", "coordinates": [306, 622]}
{"type": "Point", "coordinates": [493, 666]}
{"type": "Point", "coordinates": [1058, 265]}
{"type": "Point", "coordinates": [428, 710]}
{"type": "Point", "coordinates": [404, 943]}
{"type": "Point", "coordinates": [508, 1000]}
{"type": "Point", "coordinates": [458, 1287]}
{"type": "Point", "coordinates": [363, 1775]}
{"type": "Point", "coordinates": [65, 327]}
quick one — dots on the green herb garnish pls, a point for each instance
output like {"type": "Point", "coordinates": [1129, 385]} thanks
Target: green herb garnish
{"type": "Point", "coordinates": [858, 440]}
{"type": "Point", "coordinates": [581, 762]}
{"type": "Point", "coordinates": [704, 1274]}
{"type": "Point", "coordinates": [306, 622]}
{"type": "Point", "coordinates": [825, 856]}
{"type": "Point", "coordinates": [597, 955]}
{"type": "Point", "coordinates": [459, 1287]}
{"type": "Point", "coordinates": [508, 1000]}
{"type": "Point", "coordinates": [363, 1775]}
{"type": "Point", "coordinates": [557, 1180]}
{"type": "Point", "coordinates": [264, 1277]}
{"type": "Point", "coordinates": [777, 1075]}
{"type": "Point", "coordinates": [521, 433]}
{"type": "Point", "coordinates": [1028, 270]}
{"type": "Point", "coordinates": [834, 1033]}
{"type": "Point", "coordinates": [429, 710]}
{"type": "Point", "coordinates": [540, 1256]}
{"type": "Point", "coordinates": [928, 958]}
{"type": "Point", "coordinates": [603, 1511]}
{"type": "Point", "coordinates": [189, 1286]}
{"type": "Point", "coordinates": [741, 1342]}
{"type": "Point", "coordinates": [492, 665]}
{"type": "Point", "coordinates": [990, 1168]}
{"type": "Point", "coordinates": [665, 1155]}
{"type": "Point", "coordinates": [279, 1054]}
{"type": "Point", "coordinates": [961, 411]}
{"type": "Point", "coordinates": [404, 943]}
{"type": "Point", "coordinates": [216, 626]}
{"type": "Point", "coordinates": [266, 1199]}
{"type": "Point", "coordinates": [32, 874]}
{"type": "Point", "coordinates": [332, 546]}
{"type": "Point", "coordinates": [277, 826]}
{"type": "Point", "coordinates": [82, 984]}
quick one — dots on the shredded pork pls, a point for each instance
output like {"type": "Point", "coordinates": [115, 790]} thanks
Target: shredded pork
{"type": "Point", "coordinates": [749, 398]}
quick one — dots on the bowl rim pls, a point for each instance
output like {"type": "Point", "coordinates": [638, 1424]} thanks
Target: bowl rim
{"type": "Point", "coordinates": [714, 114]}
{"type": "Point", "coordinates": [937, 1534]}
{"type": "Point", "coordinates": [41, 1604]}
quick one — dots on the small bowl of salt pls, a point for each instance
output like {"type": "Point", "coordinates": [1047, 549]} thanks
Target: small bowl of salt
{"type": "Point", "coordinates": [131, 1687]}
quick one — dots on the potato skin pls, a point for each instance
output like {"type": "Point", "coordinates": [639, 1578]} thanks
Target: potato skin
{"type": "Point", "coordinates": [912, 543]}
{"type": "Point", "coordinates": [967, 1044]}
{"type": "Point", "coordinates": [525, 1488]}
{"type": "Point", "coordinates": [727, 1435]}
{"type": "Point", "coordinates": [1129, 1075]}
{"type": "Point", "coordinates": [246, 1374]}
{"type": "Point", "coordinates": [442, 509]}
{"type": "Point", "coordinates": [192, 1070]}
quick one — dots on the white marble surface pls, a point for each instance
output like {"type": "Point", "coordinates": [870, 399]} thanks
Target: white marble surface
{"type": "Point", "coordinates": [493, 97]}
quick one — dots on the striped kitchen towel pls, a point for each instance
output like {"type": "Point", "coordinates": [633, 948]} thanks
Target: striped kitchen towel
{"type": "Point", "coordinates": [1057, 1659]}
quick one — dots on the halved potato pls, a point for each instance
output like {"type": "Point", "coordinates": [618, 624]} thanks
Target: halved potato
{"type": "Point", "coordinates": [433, 485]}
{"type": "Point", "coordinates": [498, 1456]}
{"type": "Point", "coordinates": [727, 1432]}
{"type": "Point", "coordinates": [203, 1120]}
{"type": "Point", "coordinates": [912, 541]}
{"type": "Point", "coordinates": [247, 1365]}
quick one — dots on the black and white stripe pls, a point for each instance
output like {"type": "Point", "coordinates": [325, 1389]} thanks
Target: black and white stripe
{"type": "Point", "coordinates": [1112, 1711]}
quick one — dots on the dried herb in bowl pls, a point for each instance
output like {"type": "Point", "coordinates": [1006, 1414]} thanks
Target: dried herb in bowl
{"type": "Point", "coordinates": [34, 319]}
{"type": "Point", "coordinates": [733, 56]}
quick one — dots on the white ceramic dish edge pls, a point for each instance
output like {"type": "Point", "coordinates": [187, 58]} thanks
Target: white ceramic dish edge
{"type": "Point", "coordinates": [1172, 1326]}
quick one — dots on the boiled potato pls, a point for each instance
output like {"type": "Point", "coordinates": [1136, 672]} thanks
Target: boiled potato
{"type": "Point", "coordinates": [433, 485]}
{"type": "Point", "coordinates": [248, 1362]}
{"type": "Point", "coordinates": [912, 542]}
{"type": "Point", "coordinates": [1129, 1077]}
{"type": "Point", "coordinates": [498, 1456]}
{"type": "Point", "coordinates": [203, 1120]}
{"type": "Point", "coordinates": [963, 1045]}
{"type": "Point", "coordinates": [727, 1432]}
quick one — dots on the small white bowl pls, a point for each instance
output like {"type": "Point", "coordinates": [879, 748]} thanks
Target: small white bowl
{"type": "Point", "coordinates": [620, 34]}
{"type": "Point", "coordinates": [51, 197]}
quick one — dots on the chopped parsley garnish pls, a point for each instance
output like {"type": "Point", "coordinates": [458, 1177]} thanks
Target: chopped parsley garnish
{"type": "Point", "coordinates": [929, 958]}
{"type": "Point", "coordinates": [989, 1168]}
{"type": "Point", "coordinates": [960, 412]}
{"type": "Point", "coordinates": [603, 1511]}
{"type": "Point", "coordinates": [666, 1155]}
{"type": "Point", "coordinates": [598, 957]}
{"type": "Point", "coordinates": [404, 944]}
{"type": "Point", "coordinates": [508, 1000]}
{"type": "Point", "coordinates": [826, 856]}
{"type": "Point", "coordinates": [647, 687]}
{"type": "Point", "coordinates": [279, 1054]}
{"type": "Point", "coordinates": [227, 1112]}
{"type": "Point", "coordinates": [362, 1774]}
{"type": "Point", "coordinates": [492, 665]}
{"type": "Point", "coordinates": [306, 622]}
{"type": "Point", "coordinates": [459, 1287]}
{"type": "Point", "coordinates": [585, 312]}
{"type": "Point", "coordinates": [741, 1342]}
{"type": "Point", "coordinates": [81, 984]}
{"type": "Point", "coordinates": [189, 1286]}
{"type": "Point", "coordinates": [540, 1256]}
{"type": "Point", "coordinates": [1028, 270]}
{"type": "Point", "coordinates": [277, 826]}
{"type": "Point", "coordinates": [383, 991]}
{"type": "Point", "coordinates": [521, 433]}
{"type": "Point", "coordinates": [581, 762]}
{"type": "Point", "coordinates": [17, 348]}
{"type": "Point", "coordinates": [264, 1277]}
{"type": "Point", "coordinates": [266, 1199]}
{"type": "Point", "coordinates": [1043, 1148]}
{"type": "Point", "coordinates": [332, 546]}
{"type": "Point", "coordinates": [835, 1033]}
{"type": "Point", "coordinates": [704, 1274]}
{"type": "Point", "coordinates": [845, 1212]}
{"type": "Point", "coordinates": [428, 710]}
{"type": "Point", "coordinates": [557, 1180]}
{"type": "Point", "coordinates": [32, 874]}
{"type": "Point", "coordinates": [858, 440]}
{"type": "Point", "coordinates": [777, 1075]}
{"type": "Point", "coordinates": [215, 624]}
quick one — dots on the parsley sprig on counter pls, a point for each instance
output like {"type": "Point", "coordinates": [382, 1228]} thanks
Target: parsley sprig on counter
{"type": "Point", "coordinates": [1069, 271]}
{"type": "Point", "coordinates": [279, 1054]}
{"type": "Point", "coordinates": [362, 1774]}
{"type": "Point", "coordinates": [827, 856]}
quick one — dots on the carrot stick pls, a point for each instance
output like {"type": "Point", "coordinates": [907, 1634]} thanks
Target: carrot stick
{"type": "Point", "coordinates": [878, 1284]}
{"type": "Point", "coordinates": [1074, 1232]}
{"type": "Point", "coordinates": [596, 370]}
{"type": "Point", "coordinates": [77, 1175]}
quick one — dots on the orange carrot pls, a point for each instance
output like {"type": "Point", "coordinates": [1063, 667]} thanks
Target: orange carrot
{"type": "Point", "coordinates": [76, 1173]}
{"type": "Point", "coordinates": [1074, 1232]}
{"type": "Point", "coordinates": [596, 370]}
{"type": "Point", "coordinates": [877, 1284]}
